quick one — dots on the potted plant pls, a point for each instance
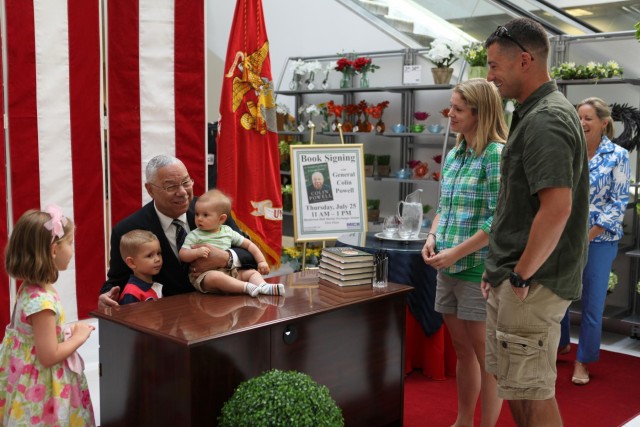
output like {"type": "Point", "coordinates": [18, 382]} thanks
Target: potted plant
{"type": "Point", "coordinates": [373, 209]}
{"type": "Point", "coordinates": [287, 197]}
{"type": "Point", "coordinates": [383, 168]}
{"type": "Point", "coordinates": [280, 398]}
{"type": "Point", "coordinates": [369, 159]}
{"type": "Point", "coordinates": [476, 56]}
{"type": "Point", "coordinates": [283, 149]}
{"type": "Point", "coordinates": [443, 53]}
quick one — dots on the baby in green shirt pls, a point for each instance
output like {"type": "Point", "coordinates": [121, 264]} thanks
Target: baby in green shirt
{"type": "Point", "coordinates": [212, 210]}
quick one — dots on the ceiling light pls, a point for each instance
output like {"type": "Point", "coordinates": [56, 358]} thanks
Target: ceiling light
{"type": "Point", "coordinates": [579, 12]}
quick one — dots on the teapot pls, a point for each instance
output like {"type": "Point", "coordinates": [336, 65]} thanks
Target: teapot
{"type": "Point", "coordinates": [410, 214]}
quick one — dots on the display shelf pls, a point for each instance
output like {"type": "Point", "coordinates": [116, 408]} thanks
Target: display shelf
{"type": "Point", "coordinates": [402, 146]}
{"type": "Point", "coordinates": [611, 312]}
{"type": "Point", "coordinates": [403, 180]}
{"type": "Point", "coordinates": [342, 91]}
{"type": "Point", "coordinates": [615, 81]}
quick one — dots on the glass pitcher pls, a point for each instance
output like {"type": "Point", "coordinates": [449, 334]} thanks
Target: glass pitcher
{"type": "Point", "coordinates": [410, 213]}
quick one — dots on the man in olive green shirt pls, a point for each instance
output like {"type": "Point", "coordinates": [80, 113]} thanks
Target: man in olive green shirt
{"type": "Point", "coordinates": [537, 247]}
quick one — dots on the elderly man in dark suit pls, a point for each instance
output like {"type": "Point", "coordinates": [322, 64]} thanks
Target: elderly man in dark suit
{"type": "Point", "coordinates": [170, 217]}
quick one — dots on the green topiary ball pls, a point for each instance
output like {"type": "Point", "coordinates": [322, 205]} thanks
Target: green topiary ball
{"type": "Point", "coordinates": [278, 398]}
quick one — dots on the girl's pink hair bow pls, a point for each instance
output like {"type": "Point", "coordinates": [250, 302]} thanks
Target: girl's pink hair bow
{"type": "Point", "coordinates": [56, 223]}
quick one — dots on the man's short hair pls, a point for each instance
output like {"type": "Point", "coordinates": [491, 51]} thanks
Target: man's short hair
{"type": "Point", "coordinates": [158, 162]}
{"type": "Point", "coordinates": [529, 33]}
{"type": "Point", "coordinates": [130, 242]}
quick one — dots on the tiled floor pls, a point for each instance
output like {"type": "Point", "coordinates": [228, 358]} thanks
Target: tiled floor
{"type": "Point", "coordinates": [89, 352]}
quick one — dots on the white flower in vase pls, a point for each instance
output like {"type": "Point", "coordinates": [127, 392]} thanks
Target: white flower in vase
{"type": "Point", "coordinates": [330, 66]}
{"type": "Point", "coordinates": [444, 53]}
{"type": "Point", "coordinates": [312, 111]}
{"type": "Point", "coordinates": [298, 70]}
{"type": "Point", "coordinates": [312, 67]}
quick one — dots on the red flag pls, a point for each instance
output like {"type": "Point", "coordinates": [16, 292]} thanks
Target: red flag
{"type": "Point", "coordinates": [248, 159]}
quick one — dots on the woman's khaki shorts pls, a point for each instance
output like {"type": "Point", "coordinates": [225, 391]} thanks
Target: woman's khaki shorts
{"type": "Point", "coordinates": [460, 297]}
{"type": "Point", "coordinates": [522, 341]}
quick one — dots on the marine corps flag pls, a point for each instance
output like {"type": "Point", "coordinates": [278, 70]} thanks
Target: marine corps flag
{"type": "Point", "coordinates": [248, 158]}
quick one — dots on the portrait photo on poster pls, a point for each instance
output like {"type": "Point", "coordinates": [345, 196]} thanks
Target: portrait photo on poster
{"type": "Point", "coordinates": [318, 182]}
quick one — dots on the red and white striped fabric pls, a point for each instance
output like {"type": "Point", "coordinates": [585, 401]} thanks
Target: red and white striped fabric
{"type": "Point", "coordinates": [156, 87]}
{"type": "Point", "coordinates": [5, 300]}
{"type": "Point", "coordinates": [54, 132]}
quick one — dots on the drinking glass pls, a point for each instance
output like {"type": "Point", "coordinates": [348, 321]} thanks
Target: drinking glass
{"type": "Point", "coordinates": [405, 229]}
{"type": "Point", "coordinates": [390, 226]}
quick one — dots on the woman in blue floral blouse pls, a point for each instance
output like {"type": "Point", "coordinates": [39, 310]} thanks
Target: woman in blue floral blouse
{"type": "Point", "coordinates": [609, 173]}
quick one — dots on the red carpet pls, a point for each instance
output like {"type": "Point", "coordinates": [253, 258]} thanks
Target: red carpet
{"type": "Point", "coordinates": [611, 399]}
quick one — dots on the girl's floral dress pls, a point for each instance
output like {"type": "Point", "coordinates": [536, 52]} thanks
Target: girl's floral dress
{"type": "Point", "coordinates": [31, 394]}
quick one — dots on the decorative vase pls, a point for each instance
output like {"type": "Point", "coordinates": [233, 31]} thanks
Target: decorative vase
{"type": "Point", "coordinates": [380, 126]}
{"type": "Point", "coordinates": [417, 128]}
{"type": "Point", "coordinates": [345, 82]}
{"type": "Point", "coordinates": [364, 80]}
{"type": "Point", "coordinates": [347, 126]}
{"type": "Point", "coordinates": [442, 76]}
{"type": "Point", "coordinates": [368, 170]}
{"type": "Point", "coordinates": [296, 81]}
{"type": "Point", "coordinates": [365, 126]}
{"type": "Point", "coordinates": [478, 71]}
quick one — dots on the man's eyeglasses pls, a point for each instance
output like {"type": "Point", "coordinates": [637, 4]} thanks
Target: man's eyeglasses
{"type": "Point", "coordinates": [502, 32]}
{"type": "Point", "coordinates": [173, 188]}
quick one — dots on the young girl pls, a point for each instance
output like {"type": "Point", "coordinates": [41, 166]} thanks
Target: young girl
{"type": "Point", "coordinates": [41, 378]}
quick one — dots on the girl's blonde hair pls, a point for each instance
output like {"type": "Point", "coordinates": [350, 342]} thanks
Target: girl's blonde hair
{"type": "Point", "coordinates": [602, 111]}
{"type": "Point", "coordinates": [484, 100]}
{"type": "Point", "coordinates": [28, 255]}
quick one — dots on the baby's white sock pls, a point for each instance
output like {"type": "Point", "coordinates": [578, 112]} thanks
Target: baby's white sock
{"type": "Point", "coordinates": [251, 289]}
{"type": "Point", "coordinates": [271, 289]}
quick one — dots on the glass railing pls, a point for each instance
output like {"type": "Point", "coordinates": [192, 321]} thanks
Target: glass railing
{"type": "Point", "coordinates": [420, 21]}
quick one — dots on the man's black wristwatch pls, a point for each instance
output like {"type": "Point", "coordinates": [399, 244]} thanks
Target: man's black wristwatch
{"type": "Point", "coordinates": [517, 281]}
{"type": "Point", "coordinates": [230, 261]}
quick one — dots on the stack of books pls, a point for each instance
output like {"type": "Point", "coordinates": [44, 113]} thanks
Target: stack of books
{"type": "Point", "coordinates": [346, 267]}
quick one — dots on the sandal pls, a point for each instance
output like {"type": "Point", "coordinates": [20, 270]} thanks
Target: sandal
{"type": "Point", "coordinates": [580, 374]}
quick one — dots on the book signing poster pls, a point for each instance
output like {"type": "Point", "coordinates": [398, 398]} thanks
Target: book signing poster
{"type": "Point", "coordinates": [329, 197]}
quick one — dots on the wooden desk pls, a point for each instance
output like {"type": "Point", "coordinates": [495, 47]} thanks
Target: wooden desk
{"type": "Point", "coordinates": [177, 360]}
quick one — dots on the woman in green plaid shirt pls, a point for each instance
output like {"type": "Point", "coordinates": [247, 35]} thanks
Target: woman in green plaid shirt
{"type": "Point", "coordinates": [457, 243]}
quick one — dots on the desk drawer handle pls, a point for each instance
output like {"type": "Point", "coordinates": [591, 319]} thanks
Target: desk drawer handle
{"type": "Point", "coordinates": [290, 334]}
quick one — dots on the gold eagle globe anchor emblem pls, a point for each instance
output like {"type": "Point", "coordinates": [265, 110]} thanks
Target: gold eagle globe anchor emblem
{"type": "Point", "coordinates": [260, 116]}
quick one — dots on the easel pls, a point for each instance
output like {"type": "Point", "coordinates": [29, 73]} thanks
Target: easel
{"type": "Point", "coordinates": [312, 127]}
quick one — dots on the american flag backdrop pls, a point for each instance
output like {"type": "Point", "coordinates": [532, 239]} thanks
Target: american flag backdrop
{"type": "Point", "coordinates": [57, 94]}
{"type": "Point", "coordinates": [5, 300]}
{"type": "Point", "coordinates": [156, 88]}
{"type": "Point", "coordinates": [54, 134]}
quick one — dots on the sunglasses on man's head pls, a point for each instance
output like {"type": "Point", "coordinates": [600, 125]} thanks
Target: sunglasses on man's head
{"type": "Point", "coordinates": [503, 33]}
